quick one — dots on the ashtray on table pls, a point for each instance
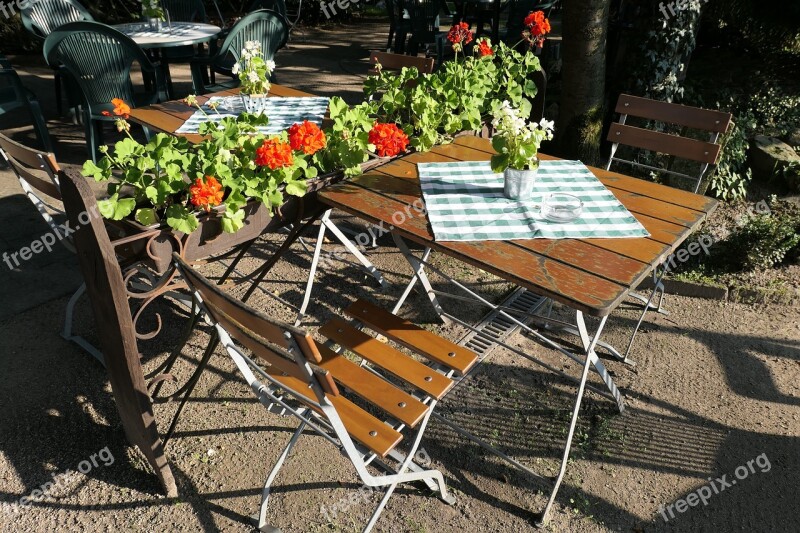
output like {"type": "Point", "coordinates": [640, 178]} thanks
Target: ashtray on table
{"type": "Point", "coordinates": [561, 207]}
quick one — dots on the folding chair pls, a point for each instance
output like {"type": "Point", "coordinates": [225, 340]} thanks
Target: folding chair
{"type": "Point", "coordinates": [303, 379]}
{"type": "Point", "coordinates": [705, 153]}
{"type": "Point", "coordinates": [37, 174]}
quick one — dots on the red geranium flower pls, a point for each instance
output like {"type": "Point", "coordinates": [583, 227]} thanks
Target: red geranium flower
{"type": "Point", "coordinates": [537, 26]}
{"type": "Point", "coordinates": [389, 140]}
{"type": "Point", "coordinates": [306, 136]}
{"type": "Point", "coordinates": [206, 194]}
{"type": "Point", "coordinates": [485, 48]}
{"type": "Point", "coordinates": [121, 109]}
{"type": "Point", "coordinates": [459, 35]}
{"type": "Point", "coordinates": [274, 154]}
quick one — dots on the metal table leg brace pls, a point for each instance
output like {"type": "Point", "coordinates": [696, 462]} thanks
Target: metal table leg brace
{"type": "Point", "coordinates": [587, 359]}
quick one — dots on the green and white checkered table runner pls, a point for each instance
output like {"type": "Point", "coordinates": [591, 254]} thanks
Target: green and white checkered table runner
{"type": "Point", "coordinates": [283, 111]}
{"type": "Point", "coordinates": [465, 202]}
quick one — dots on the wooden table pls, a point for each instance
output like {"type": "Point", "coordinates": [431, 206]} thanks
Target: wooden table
{"type": "Point", "coordinates": [170, 116]}
{"type": "Point", "coordinates": [591, 276]}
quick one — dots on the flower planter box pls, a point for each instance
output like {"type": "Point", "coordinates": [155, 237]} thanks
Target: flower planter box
{"type": "Point", "coordinates": [208, 239]}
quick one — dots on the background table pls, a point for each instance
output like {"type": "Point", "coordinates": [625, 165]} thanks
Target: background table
{"type": "Point", "coordinates": [170, 116]}
{"type": "Point", "coordinates": [178, 34]}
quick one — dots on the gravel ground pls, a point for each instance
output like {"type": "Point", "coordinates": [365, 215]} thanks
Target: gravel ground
{"type": "Point", "coordinates": [715, 387]}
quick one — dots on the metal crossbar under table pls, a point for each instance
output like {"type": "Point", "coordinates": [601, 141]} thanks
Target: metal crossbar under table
{"type": "Point", "coordinates": [588, 358]}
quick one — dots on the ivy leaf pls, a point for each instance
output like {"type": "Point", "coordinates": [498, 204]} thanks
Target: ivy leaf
{"type": "Point", "coordinates": [232, 221]}
{"type": "Point", "coordinates": [181, 219]}
{"type": "Point", "coordinates": [115, 209]}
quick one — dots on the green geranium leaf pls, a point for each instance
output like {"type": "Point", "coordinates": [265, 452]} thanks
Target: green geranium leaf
{"type": "Point", "coordinates": [115, 209]}
{"type": "Point", "coordinates": [181, 219]}
{"type": "Point", "coordinates": [100, 172]}
{"type": "Point", "coordinates": [146, 217]}
{"type": "Point", "coordinates": [296, 188]}
{"type": "Point", "coordinates": [232, 221]}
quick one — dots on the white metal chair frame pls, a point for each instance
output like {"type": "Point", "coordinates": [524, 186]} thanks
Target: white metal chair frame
{"type": "Point", "coordinates": [319, 414]}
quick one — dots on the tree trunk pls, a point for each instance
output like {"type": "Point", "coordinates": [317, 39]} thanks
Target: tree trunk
{"type": "Point", "coordinates": [580, 117]}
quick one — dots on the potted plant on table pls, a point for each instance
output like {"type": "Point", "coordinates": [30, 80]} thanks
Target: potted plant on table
{"type": "Point", "coordinates": [517, 144]}
{"type": "Point", "coordinates": [254, 72]}
{"type": "Point", "coordinates": [153, 13]}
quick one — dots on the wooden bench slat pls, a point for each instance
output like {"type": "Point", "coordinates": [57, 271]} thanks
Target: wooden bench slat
{"type": "Point", "coordinates": [413, 337]}
{"type": "Point", "coordinates": [393, 361]}
{"type": "Point", "coordinates": [685, 148]}
{"type": "Point", "coordinates": [373, 389]}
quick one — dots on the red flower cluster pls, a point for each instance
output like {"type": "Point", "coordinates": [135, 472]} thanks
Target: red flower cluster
{"type": "Point", "coordinates": [459, 35]}
{"type": "Point", "coordinates": [306, 136]}
{"type": "Point", "coordinates": [389, 140]}
{"type": "Point", "coordinates": [537, 26]}
{"type": "Point", "coordinates": [485, 48]}
{"type": "Point", "coordinates": [206, 195]}
{"type": "Point", "coordinates": [274, 154]}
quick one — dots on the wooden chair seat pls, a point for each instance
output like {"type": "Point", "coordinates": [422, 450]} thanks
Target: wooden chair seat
{"type": "Point", "coordinates": [413, 337]}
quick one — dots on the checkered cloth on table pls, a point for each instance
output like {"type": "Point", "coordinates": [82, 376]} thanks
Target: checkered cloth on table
{"type": "Point", "coordinates": [465, 202]}
{"type": "Point", "coordinates": [282, 112]}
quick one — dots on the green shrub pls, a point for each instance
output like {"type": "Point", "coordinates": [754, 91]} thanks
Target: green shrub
{"type": "Point", "coordinates": [765, 240]}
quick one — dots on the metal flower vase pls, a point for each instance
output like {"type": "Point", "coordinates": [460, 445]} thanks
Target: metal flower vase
{"type": "Point", "coordinates": [518, 184]}
{"type": "Point", "coordinates": [254, 103]}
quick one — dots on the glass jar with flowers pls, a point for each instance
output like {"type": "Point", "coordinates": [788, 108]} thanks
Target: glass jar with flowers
{"type": "Point", "coordinates": [153, 14]}
{"type": "Point", "coordinates": [254, 72]}
{"type": "Point", "coordinates": [517, 144]}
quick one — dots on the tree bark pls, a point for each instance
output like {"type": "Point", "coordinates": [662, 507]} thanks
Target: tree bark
{"type": "Point", "coordinates": [580, 117]}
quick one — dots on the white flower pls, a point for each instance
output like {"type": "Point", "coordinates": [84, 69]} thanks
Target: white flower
{"type": "Point", "coordinates": [270, 65]}
{"type": "Point", "coordinates": [253, 46]}
{"type": "Point", "coordinates": [245, 55]}
{"type": "Point", "coordinates": [547, 124]}
{"type": "Point", "coordinates": [235, 69]}
{"type": "Point", "coordinates": [252, 77]}
{"type": "Point", "coordinates": [225, 154]}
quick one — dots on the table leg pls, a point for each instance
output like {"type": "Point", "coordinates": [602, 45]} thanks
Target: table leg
{"type": "Point", "coordinates": [588, 347]}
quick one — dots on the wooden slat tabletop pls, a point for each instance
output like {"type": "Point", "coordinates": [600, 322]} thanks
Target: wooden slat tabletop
{"type": "Point", "coordinates": [170, 116]}
{"type": "Point", "coordinates": [591, 275]}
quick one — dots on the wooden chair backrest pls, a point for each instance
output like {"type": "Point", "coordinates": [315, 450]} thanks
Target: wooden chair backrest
{"type": "Point", "coordinates": [705, 152]}
{"type": "Point", "coordinates": [390, 61]}
{"type": "Point", "coordinates": [109, 301]}
{"type": "Point", "coordinates": [38, 169]}
{"type": "Point", "coordinates": [270, 340]}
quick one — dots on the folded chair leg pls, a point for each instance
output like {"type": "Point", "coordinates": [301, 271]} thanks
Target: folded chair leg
{"type": "Point", "coordinates": [262, 513]}
{"type": "Point", "coordinates": [311, 274]}
{"type": "Point", "coordinates": [379, 509]}
{"type": "Point", "coordinates": [77, 339]}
